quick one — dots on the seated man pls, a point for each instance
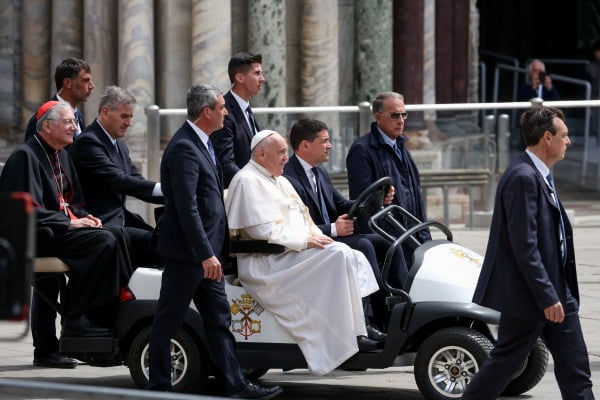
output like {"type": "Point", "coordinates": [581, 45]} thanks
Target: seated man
{"type": "Point", "coordinates": [97, 257]}
{"type": "Point", "coordinates": [108, 175]}
{"type": "Point", "coordinates": [328, 208]}
{"type": "Point", "coordinates": [314, 289]}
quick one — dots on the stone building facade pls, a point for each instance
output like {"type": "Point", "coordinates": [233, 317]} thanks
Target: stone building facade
{"type": "Point", "coordinates": [315, 52]}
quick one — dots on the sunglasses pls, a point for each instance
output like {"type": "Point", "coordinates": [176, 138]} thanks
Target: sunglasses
{"type": "Point", "coordinates": [397, 115]}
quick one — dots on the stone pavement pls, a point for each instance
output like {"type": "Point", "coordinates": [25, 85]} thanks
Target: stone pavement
{"type": "Point", "coordinates": [395, 382]}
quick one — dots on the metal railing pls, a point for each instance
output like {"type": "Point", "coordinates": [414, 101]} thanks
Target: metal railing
{"type": "Point", "coordinates": [154, 113]}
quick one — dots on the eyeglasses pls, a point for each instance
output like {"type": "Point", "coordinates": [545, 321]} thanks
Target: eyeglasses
{"type": "Point", "coordinates": [397, 115]}
{"type": "Point", "coordinates": [65, 121]}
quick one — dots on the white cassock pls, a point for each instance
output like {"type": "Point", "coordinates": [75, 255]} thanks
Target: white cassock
{"type": "Point", "coordinates": [314, 293]}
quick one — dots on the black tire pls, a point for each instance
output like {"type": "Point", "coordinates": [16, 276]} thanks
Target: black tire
{"type": "Point", "coordinates": [189, 363]}
{"type": "Point", "coordinates": [255, 373]}
{"type": "Point", "coordinates": [448, 360]}
{"type": "Point", "coordinates": [532, 374]}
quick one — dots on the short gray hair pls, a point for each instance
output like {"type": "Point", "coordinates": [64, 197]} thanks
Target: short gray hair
{"type": "Point", "coordinates": [200, 97]}
{"type": "Point", "coordinates": [50, 115]}
{"type": "Point", "coordinates": [377, 105]}
{"type": "Point", "coordinates": [115, 96]}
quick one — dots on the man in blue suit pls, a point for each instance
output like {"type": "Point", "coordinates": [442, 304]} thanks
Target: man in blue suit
{"type": "Point", "coordinates": [193, 239]}
{"type": "Point", "coordinates": [328, 208]}
{"type": "Point", "coordinates": [528, 273]}
{"type": "Point", "coordinates": [232, 143]}
{"type": "Point", "coordinates": [382, 152]}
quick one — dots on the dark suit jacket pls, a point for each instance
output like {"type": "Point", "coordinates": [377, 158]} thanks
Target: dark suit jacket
{"type": "Point", "coordinates": [523, 271]}
{"type": "Point", "coordinates": [31, 125]}
{"type": "Point", "coordinates": [28, 170]}
{"type": "Point", "coordinates": [336, 203]}
{"type": "Point", "coordinates": [232, 142]}
{"type": "Point", "coordinates": [370, 159]}
{"type": "Point", "coordinates": [194, 224]}
{"type": "Point", "coordinates": [108, 176]}
{"type": "Point", "coordinates": [526, 93]}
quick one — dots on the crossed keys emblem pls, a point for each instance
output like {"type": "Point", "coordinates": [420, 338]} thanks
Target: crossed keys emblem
{"type": "Point", "coordinates": [246, 326]}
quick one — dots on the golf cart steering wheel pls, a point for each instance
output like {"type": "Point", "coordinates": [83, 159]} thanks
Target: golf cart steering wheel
{"type": "Point", "coordinates": [371, 199]}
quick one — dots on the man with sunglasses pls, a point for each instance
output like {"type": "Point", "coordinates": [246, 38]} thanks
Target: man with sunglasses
{"type": "Point", "coordinates": [382, 152]}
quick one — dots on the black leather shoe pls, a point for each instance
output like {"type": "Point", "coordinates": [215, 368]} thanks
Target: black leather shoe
{"type": "Point", "coordinates": [375, 334]}
{"type": "Point", "coordinates": [365, 344]}
{"type": "Point", "coordinates": [253, 391]}
{"type": "Point", "coordinates": [83, 327]}
{"type": "Point", "coordinates": [55, 360]}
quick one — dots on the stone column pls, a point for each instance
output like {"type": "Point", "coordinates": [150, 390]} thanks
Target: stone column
{"type": "Point", "coordinates": [239, 26]}
{"type": "Point", "coordinates": [293, 20]}
{"type": "Point", "coordinates": [67, 32]}
{"type": "Point", "coordinates": [99, 49]}
{"type": "Point", "coordinates": [319, 73]}
{"type": "Point", "coordinates": [174, 41]}
{"type": "Point", "coordinates": [473, 89]}
{"type": "Point", "coordinates": [373, 52]}
{"type": "Point", "coordinates": [408, 57]}
{"type": "Point", "coordinates": [267, 37]}
{"type": "Point", "coordinates": [136, 68]}
{"type": "Point", "coordinates": [429, 58]}
{"type": "Point", "coordinates": [211, 42]}
{"type": "Point", "coordinates": [36, 56]}
{"type": "Point", "coordinates": [10, 80]}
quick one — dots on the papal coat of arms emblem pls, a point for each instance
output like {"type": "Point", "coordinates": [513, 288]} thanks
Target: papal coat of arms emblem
{"type": "Point", "coordinates": [245, 325]}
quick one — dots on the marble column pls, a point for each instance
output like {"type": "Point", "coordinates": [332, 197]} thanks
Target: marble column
{"type": "Point", "coordinates": [173, 41]}
{"type": "Point", "coordinates": [319, 73]}
{"type": "Point", "coordinates": [239, 26]}
{"type": "Point", "coordinates": [473, 88]}
{"type": "Point", "coordinates": [136, 68]}
{"type": "Point", "coordinates": [267, 37]}
{"type": "Point", "coordinates": [373, 52]}
{"type": "Point", "coordinates": [67, 32]}
{"type": "Point", "coordinates": [346, 49]}
{"type": "Point", "coordinates": [99, 49]}
{"type": "Point", "coordinates": [408, 57]}
{"type": "Point", "coordinates": [211, 42]}
{"type": "Point", "coordinates": [293, 20]}
{"type": "Point", "coordinates": [36, 56]}
{"type": "Point", "coordinates": [10, 80]}
{"type": "Point", "coordinates": [429, 57]}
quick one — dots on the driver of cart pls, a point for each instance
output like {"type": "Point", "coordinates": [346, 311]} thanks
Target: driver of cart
{"type": "Point", "coordinates": [309, 139]}
{"type": "Point", "coordinates": [315, 288]}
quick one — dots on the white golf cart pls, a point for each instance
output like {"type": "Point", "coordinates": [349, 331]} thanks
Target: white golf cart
{"type": "Point", "coordinates": [433, 322]}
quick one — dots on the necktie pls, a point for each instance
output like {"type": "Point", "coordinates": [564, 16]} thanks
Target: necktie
{"type": "Point", "coordinates": [397, 151]}
{"type": "Point", "coordinates": [251, 121]}
{"type": "Point", "coordinates": [563, 242]}
{"type": "Point", "coordinates": [77, 117]}
{"type": "Point", "coordinates": [211, 151]}
{"type": "Point", "coordinates": [320, 196]}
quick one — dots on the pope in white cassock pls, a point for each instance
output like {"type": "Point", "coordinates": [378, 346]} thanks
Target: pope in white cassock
{"type": "Point", "coordinates": [314, 288]}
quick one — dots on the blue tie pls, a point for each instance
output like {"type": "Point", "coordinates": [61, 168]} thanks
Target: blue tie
{"type": "Point", "coordinates": [563, 241]}
{"type": "Point", "coordinates": [323, 207]}
{"type": "Point", "coordinates": [251, 121]}
{"type": "Point", "coordinates": [397, 151]}
{"type": "Point", "coordinates": [211, 151]}
{"type": "Point", "coordinates": [77, 117]}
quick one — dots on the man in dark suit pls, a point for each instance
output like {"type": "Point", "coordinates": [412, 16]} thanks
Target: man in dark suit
{"type": "Point", "coordinates": [193, 239]}
{"type": "Point", "coordinates": [232, 143]}
{"type": "Point", "coordinates": [528, 273]}
{"type": "Point", "coordinates": [328, 208]}
{"type": "Point", "coordinates": [73, 79]}
{"type": "Point", "coordinates": [108, 175]}
{"type": "Point", "coordinates": [381, 153]}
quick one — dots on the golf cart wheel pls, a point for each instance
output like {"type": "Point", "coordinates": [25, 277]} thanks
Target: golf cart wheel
{"type": "Point", "coordinates": [255, 373]}
{"type": "Point", "coordinates": [448, 360]}
{"type": "Point", "coordinates": [532, 373]}
{"type": "Point", "coordinates": [188, 362]}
